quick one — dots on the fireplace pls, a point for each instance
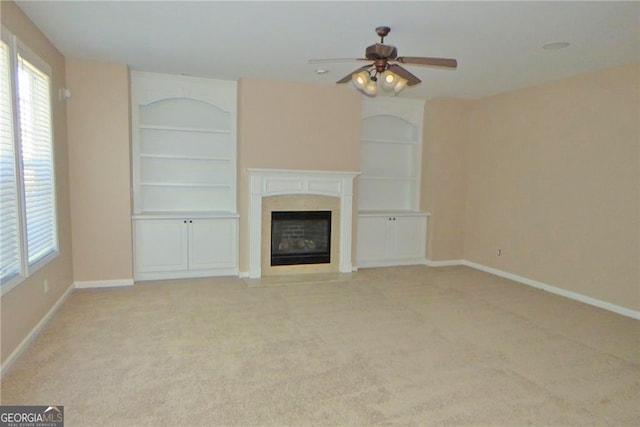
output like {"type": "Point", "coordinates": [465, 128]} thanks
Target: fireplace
{"type": "Point", "coordinates": [270, 190]}
{"type": "Point", "coordinates": [300, 237]}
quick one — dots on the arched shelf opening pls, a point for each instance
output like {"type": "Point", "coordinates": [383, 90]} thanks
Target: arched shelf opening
{"type": "Point", "coordinates": [184, 113]}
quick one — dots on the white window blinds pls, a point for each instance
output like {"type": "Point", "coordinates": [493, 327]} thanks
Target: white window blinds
{"type": "Point", "coordinates": [28, 228]}
{"type": "Point", "coordinates": [9, 228]}
{"type": "Point", "coordinates": [36, 149]}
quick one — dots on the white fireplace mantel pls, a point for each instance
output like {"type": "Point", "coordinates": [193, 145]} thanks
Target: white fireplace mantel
{"type": "Point", "coordinates": [276, 182]}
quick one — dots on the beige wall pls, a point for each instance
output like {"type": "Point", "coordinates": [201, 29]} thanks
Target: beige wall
{"type": "Point", "coordinates": [553, 180]}
{"type": "Point", "coordinates": [444, 176]}
{"type": "Point", "coordinates": [100, 178]}
{"type": "Point", "coordinates": [286, 125]}
{"type": "Point", "coordinates": [24, 306]}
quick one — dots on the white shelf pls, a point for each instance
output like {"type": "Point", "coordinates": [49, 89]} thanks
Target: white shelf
{"type": "Point", "coordinates": [178, 184]}
{"type": "Point", "coordinates": [392, 213]}
{"type": "Point", "coordinates": [184, 129]}
{"type": "Point", "coordinates": [185, 214]}
{"type": "Point", "coordinates": [172, 157]}
{"type": "Point", "coordinates": [388, 178]}
{"type": "Point", "coordinates": [389, 141]}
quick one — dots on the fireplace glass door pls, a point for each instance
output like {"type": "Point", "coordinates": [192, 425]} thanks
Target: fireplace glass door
{"type": "Point", "coordinates": [300, 237]}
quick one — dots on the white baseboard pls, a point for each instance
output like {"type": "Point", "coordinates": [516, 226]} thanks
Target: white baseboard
{"type": "Point", "coordinates": [555, 290]}
{"type": "Point", "coordinates": [31, 336]}
{"type": "Point", "coordinates": [183, 274]}
{"type": "Point", "coordinates": [391, 263]}
{"type": "Point", "coordinates": [534, 283]}
{"type": "Point", "coordinates": [102, 283]}
{"type": "Point", "coordinates": [446, 263]}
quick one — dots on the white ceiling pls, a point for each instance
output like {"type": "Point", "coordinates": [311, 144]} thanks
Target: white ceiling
{"type": "Point", "coordinates": [498, 45]}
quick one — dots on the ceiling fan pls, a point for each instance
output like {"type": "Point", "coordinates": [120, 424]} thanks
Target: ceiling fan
{"type": "Point", "coordinates": [384, 57]}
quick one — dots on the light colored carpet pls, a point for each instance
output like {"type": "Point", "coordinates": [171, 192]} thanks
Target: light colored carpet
{"type": "Point", "coordinates": [404, 346]}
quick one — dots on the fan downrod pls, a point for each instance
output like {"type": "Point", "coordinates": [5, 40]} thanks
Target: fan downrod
{"type": "Point", "coordinates": [382, 32]}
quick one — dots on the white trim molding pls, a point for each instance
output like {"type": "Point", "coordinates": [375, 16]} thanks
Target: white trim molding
{"type": "Point", "coordinates": [392, 263]}
{"type": "Point", "coordinates": [102, 283]}
{"type": "Point", "coordinates": [545, 287]}
{"type": "Point", "coordinates": [276, 182]}
{"type": "Point", "coordinates": [31, 336]}
{"type": "Point", "coordinates": [555, 290]}
{"type": "Point", "coordinates": [445, 263]}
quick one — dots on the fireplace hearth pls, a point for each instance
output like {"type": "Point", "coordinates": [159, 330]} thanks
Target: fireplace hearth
{"type": "Point", "coordinates": [300, 237]}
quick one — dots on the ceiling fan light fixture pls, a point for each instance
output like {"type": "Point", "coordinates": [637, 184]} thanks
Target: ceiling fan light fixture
{"type": "Point", "coordinates": [361, 79]}
{"type": "Point", "coordinates": [389, 80]}
{"type": "Point", "coordinates": [383, 68]}
{"type": "Point", "coordinates": [371, 88]}
{"type": "Point", "coordinates": [400, 85]}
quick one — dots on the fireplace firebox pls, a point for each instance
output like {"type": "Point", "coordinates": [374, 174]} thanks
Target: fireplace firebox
{"type": "Point", "coordinates": [300, 237]}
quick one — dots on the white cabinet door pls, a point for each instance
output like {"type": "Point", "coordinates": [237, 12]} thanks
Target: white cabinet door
{"type": "Point", "coordinates": [185, 247]}
{"type": "Point", "coordinates": [161, 245]}
{"type": "Point", "coordinates": [410, 237]}
{"type": "Point", "coordinates": [373, 238]}
{"type": "Point", "coordinates": [385, 240]}
{"type": "Point", "coordinates": [212, 243]}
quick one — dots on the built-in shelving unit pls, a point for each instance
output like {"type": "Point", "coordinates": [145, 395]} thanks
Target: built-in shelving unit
{"type": "Point", "coordinates": [183, 167]}
{"type": "Point", "coordinates": [391, 146]}
{"type": "Point", "coordinates": [391, 230]}
{"type": "Point", "coordinates": [184, 144]}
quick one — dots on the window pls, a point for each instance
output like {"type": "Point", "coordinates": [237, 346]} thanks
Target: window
{"type": "Point", "coordinates": [36, 152]}
{"type": "Point", "coordinates": [10, 249]}
{"type": "Point", "coordinates": [27, 196]}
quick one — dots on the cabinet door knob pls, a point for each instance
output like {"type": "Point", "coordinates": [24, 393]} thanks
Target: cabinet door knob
{"type": "Point", "coordinates": [185, 221]}
{"type": "Point", "coordinates": [190, 222]}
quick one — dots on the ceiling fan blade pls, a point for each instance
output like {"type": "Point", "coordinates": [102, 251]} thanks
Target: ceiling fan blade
{"type": "Point", "coordinates": [434, 62]}
{"type": "Point", "coordinates": [411, 79]}
{"type": "Point", "coordinates": [347, 78]}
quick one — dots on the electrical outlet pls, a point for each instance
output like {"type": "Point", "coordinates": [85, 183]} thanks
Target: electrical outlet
{"type": "Point", "coordinates": [46, 286]}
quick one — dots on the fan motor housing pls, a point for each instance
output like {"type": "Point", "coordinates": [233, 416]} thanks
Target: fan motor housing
{"type": "Point", "coordinates": [381, 51]}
